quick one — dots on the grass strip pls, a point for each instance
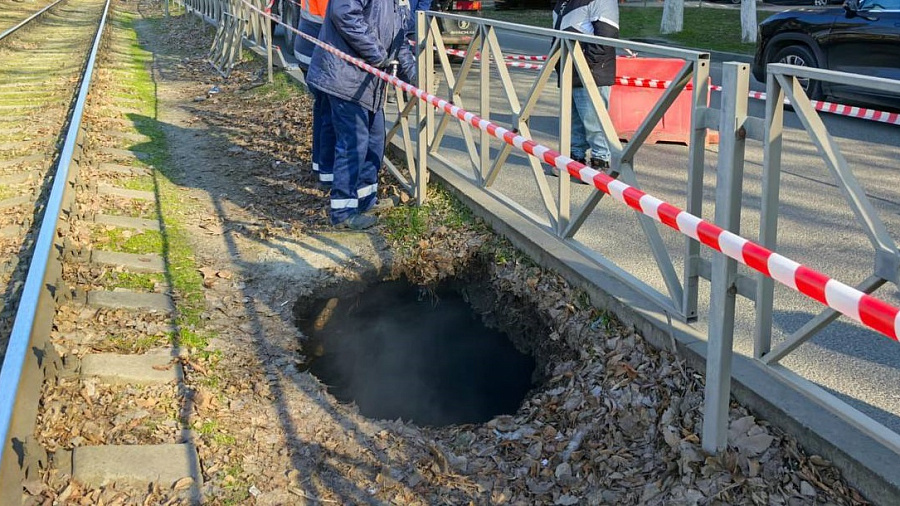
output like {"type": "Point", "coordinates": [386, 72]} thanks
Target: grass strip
{"type": "Point", "coordinates": [705, 28]}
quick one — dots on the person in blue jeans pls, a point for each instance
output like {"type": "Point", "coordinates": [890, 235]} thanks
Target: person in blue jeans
{"type": "Point", "coordinates": [591, 17]}
{"type": "Point", "coordinates": [373, 31]}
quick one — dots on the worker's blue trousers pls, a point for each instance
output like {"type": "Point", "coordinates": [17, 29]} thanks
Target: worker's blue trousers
{"type": "Point", "coordinates": [359, 149]}
{"type": "Point", "coordinates": [323, 138]}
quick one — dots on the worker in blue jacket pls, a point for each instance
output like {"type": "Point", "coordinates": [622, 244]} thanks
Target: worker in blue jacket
{"type": "Point", "coordinates": [375, 32]}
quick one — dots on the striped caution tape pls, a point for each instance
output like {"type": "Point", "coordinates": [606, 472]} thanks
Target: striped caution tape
{"type": "Point", "coordinates": [515, 64]}
{"type": "Point", "coordinates": [891, 118]}
{"type": "Point", "coordinates": [864, 308]}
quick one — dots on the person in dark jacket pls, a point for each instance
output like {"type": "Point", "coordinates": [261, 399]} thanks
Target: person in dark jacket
{"type": "Point", "coordinates": [375, 32]}
{"type": "Point", "coordinates": [312, 13]}
{"type": "Point", "coordinates": [591, 17]}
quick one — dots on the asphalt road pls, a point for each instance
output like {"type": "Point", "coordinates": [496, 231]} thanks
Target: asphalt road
{"type": "Point", "coordinates": [817, 227]}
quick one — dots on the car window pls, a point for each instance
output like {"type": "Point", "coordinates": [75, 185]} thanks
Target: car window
{"type": "Point", "coordinates": [879, 5]}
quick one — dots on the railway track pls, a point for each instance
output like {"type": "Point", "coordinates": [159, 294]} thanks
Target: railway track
{"type": "Point", "coordinates": [15, 14]}
{"type": "Point", "coordinates": [90, 393]}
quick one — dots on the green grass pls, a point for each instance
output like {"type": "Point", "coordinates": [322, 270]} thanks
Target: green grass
{"type": "Point", "coordinates": [705, 28]}
{"type": "Point", "coordinates": [142, 183]}
{"type": "Point", "coordinates": [406, 224]}
{"type": "Point", "coordinates": [130, 241]}
{"type": "Point", "coordinates": [280, 89]}
{"type": "Point", "coordinates": [8, 192]}
{"type": "Point", "coordinates": [132, 281]}
{"type": "Point", "coordinates": [210, 429]}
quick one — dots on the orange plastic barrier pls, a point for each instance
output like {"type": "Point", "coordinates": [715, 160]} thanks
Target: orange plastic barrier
{"type": "Point", "coordinates": [629, 105]}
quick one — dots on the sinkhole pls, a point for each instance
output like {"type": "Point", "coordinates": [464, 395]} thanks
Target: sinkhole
{"type": "Point", "coordinates": [400, 351]}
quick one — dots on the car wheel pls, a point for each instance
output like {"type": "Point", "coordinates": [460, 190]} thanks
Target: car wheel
{"type": "Point", "coordinates": [820, 3]}
{"type": "Point", "coordinates": [801, 56]}
{"type": "Point", "coordinates": [737, 2]}
{"type": "Point", "coordinates": [289, 18]}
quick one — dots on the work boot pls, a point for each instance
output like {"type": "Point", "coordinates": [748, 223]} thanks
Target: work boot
{"type": "Point", "coordinates": [600, 164]}
{"type": "Point", "coordinates": [357, 222]}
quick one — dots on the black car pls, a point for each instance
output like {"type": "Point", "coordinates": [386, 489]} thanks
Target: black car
{"type": "Point", "coordinates": [863, 37]}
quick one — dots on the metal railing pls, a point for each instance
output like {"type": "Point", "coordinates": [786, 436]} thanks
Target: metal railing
{"type": "Point", "coordinates": [735, 126]}
{"type": "Point", "coordinates": [28, 355]}
{"type": "Point", "coordinates": [27, 20]}
{"type": "Point", "coordinates": [237, 22]}
{"type": "Point", "coordinates": [783, 85]}
{"type": "Point", "coordinates": [561, 217]}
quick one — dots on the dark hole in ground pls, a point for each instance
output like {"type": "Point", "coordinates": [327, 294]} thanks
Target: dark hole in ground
{"type": "Point", "coordinates": [426, 357]}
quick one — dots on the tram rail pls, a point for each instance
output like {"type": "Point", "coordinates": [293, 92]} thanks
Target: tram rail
{"type": "Point", "coordinates": [40, 141]}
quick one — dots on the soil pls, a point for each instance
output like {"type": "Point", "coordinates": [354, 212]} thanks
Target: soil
{"type": "Point", "coordinates": [614, 422]}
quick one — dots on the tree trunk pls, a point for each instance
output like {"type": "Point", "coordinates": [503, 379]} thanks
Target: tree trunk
{"type": "Point", "coordinates": [673, 17]}
{"type": "Point", "coordinates": [748, 21]}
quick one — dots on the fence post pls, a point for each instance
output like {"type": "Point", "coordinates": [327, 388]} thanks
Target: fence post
{"type": "Point", "coordinates": [425, 71]}
{"type": "Point", "coordinates": [268, 32]}
{"type": "Point", "coordinates": [694, 203]}
{"type": "Point", "coordinates": [566, 73]}
{"type": "Point", "coordinates": [729, 183]}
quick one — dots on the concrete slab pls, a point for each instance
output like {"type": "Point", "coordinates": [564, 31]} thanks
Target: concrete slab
{"type": "Point", "coordinates": [22, 160]}
{"type": "Point", "coordinates": [151, 368]}
{"type": "Point", "coordinates": [138, 466]}
{"type": "Point", "coordinates": [105, 189]}
{"type": "Point", "coordinates": [135, 263]}
{"type": "Point", "coordinates": [115, 168]}
{"type": "Point", "coordinates": [126, 222]}
{"type": "Point", "coordinates": [9, 146]}
{"type": "Point", "coordinates": [19, 177]}
{"type": "Point", "coordinates": [20, 107]}
{"type": "Point", "coordinates": [124, 299]}
{"type": "Point", "coordinates": [130, 136]}
{"type": "Point", "coordinates": [10, 231]}
{"type": "Point", "coordinates": [21, 200]}
{"type": "Point", "coordinates": [126, 153]}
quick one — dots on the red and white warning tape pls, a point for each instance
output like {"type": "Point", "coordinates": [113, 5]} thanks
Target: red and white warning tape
{"type": "Point", "coordinates": [864, 308]}
{"type": "Point", "coordinates": [525, 57]}
{"type": "Point", "coordinates": [891, 118]}
{"type": "Point", "coordinates": [516, 64]}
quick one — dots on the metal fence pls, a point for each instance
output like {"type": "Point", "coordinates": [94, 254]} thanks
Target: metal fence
{"type": "Point", "coordinates": [560, 215]}
{"type": "Point", "coordinates": [484, 63]}
{"type": "Point", "coordinates": [237, 22]}
{"type": "Point", "coordinates": [783, 85]}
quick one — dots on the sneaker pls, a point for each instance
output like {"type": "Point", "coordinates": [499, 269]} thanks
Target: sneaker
{"type": "Point", "coordinates": [599, 164]}
{"type": "Point", "coordinates": [380, 206]}
{"type": "Point", "coordinates": [357, 222]}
